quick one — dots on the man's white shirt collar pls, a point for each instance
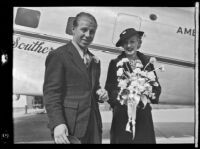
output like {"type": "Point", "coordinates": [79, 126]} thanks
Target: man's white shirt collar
{"type": "Point", "coordinates": [80, 51]}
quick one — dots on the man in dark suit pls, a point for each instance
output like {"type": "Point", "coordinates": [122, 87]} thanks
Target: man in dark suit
{"type": "Point", "coordinates": [71, 86]}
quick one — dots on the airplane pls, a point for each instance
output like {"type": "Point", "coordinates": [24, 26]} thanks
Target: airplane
{"type": "Point", "coordinates": [169, 36]}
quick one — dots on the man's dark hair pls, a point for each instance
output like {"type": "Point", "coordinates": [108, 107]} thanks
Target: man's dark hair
{"type": "Point", "coordinates": [81, 14]}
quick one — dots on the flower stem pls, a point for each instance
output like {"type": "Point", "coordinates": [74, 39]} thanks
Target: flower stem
{"type": "Point", "coordinates": [146, 66]}
{"type": "Point", "coordinates": [125, 75]}
{"type": "Point", "coordinates": [128, 68]}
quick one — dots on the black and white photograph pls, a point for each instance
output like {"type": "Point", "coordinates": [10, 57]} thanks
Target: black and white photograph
{"type": "Point", "coordinates": [104, 75]}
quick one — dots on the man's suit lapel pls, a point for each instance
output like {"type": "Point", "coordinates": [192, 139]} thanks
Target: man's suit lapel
{"type": "Point", "coordinates": [78, 61]}
{"type": "Point", "coordinates": [93, 69]}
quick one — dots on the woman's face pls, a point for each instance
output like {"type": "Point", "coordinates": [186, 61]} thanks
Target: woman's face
{"type": "Point", "coordinates": [131, 44]}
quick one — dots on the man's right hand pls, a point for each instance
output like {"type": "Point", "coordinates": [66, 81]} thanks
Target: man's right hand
{"type": "Point", "coordinates": [60, 134]}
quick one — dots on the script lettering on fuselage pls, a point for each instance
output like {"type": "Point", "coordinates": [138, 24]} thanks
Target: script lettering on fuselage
{"type": "Point", "coordinates": [35, 46]}
{"type": "Point", "coordinates": [186, 31]}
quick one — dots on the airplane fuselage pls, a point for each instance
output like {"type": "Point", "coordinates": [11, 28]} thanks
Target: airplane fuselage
{"type": "Point", "coordinates": [169, 36]}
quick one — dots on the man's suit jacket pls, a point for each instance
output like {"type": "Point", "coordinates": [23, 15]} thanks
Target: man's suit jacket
{"type": "Point", "coordinates": [69, 88]}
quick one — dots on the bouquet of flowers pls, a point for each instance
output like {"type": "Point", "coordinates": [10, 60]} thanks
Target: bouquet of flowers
{"type": "Point", "coordinates": [135, 85]}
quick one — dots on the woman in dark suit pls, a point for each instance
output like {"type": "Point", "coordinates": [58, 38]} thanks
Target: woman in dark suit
{"type": "Point", "coordinates": [130, 41]}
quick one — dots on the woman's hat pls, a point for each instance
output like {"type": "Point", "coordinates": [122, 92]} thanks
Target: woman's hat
{"type": "Point", "coordinates": [127, 34]}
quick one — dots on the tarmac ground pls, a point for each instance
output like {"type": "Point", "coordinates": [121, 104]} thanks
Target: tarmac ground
{"type": "Point", "coordinates": [172, 125]}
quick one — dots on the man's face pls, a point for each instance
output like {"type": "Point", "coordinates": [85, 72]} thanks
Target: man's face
{"type": "Point", "coordinates": [131, 45]}
{"type": "Point", "coordinates": [84, 32]}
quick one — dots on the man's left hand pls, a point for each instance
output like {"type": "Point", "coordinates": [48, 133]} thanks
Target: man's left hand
{"type": "Point", "coordinates": [103, 95]}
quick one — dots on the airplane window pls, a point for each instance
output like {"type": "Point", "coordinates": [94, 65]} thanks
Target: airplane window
{"type": "Point", "coordinates": [69, 25]}
{"type": "Point", "coordinates": [27, 17]}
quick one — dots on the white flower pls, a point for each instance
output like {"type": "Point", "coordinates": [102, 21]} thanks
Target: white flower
{"type": "Point", "coordinates": [151, 76]}
{"type": "Point", "coordinates": [152, 60]}
{"type": "Point", "coordinates": [162, 68]}
{"type": "Point", "coordinates": [124, 60]}
{"type": "Point", "coordinates": [132, 75]}
{"type": "Point", "coordinates": [141, 81]}
{"type": "Point", "coordinates": [138, 61]}
{"type": "Point", "coordinates": [139, 65]}
{"type": "Point", "coordinates": [124, 96]}
{"type": "Point", "coordinates": [122, 83]}
{"type": "Point", "coordinates": [152, 95]}
{"type": "Point", "coordinates": [131, 96]}
{"type": "Point", "coordinates": [118, 97]}
{"type": "Point", "coordinates": [120, 63]}
{"type": "Point", "coordinates": [120, 72]}
{"type": "Point", "coordinates": [4, 58]}
{"type": "Point", "coordinates": [141, 88]}
{"type": "Point", "coordinates": [148, 87]}
{"type": "Point", "coordinates": [155, 84]}
{"type": "Point", "coordinates": [146, 93]}
{"type": "Point", "coordinates": [144, 73]}
{"type": "Point", "coordinates": [137, 70]}
{"type": "Point", "coordinates": [134, 83]}
{"type": "Point", "coordinates": [134, 79]}
{"type": "Point", "coordinates": [131, 88]}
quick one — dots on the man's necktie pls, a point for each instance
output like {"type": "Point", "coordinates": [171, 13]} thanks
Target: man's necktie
{"type": "Point", "coordinates": [86, 59]}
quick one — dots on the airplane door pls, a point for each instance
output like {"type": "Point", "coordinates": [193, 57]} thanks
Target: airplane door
{"type": "Point", "coordinates": [123, 22]}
